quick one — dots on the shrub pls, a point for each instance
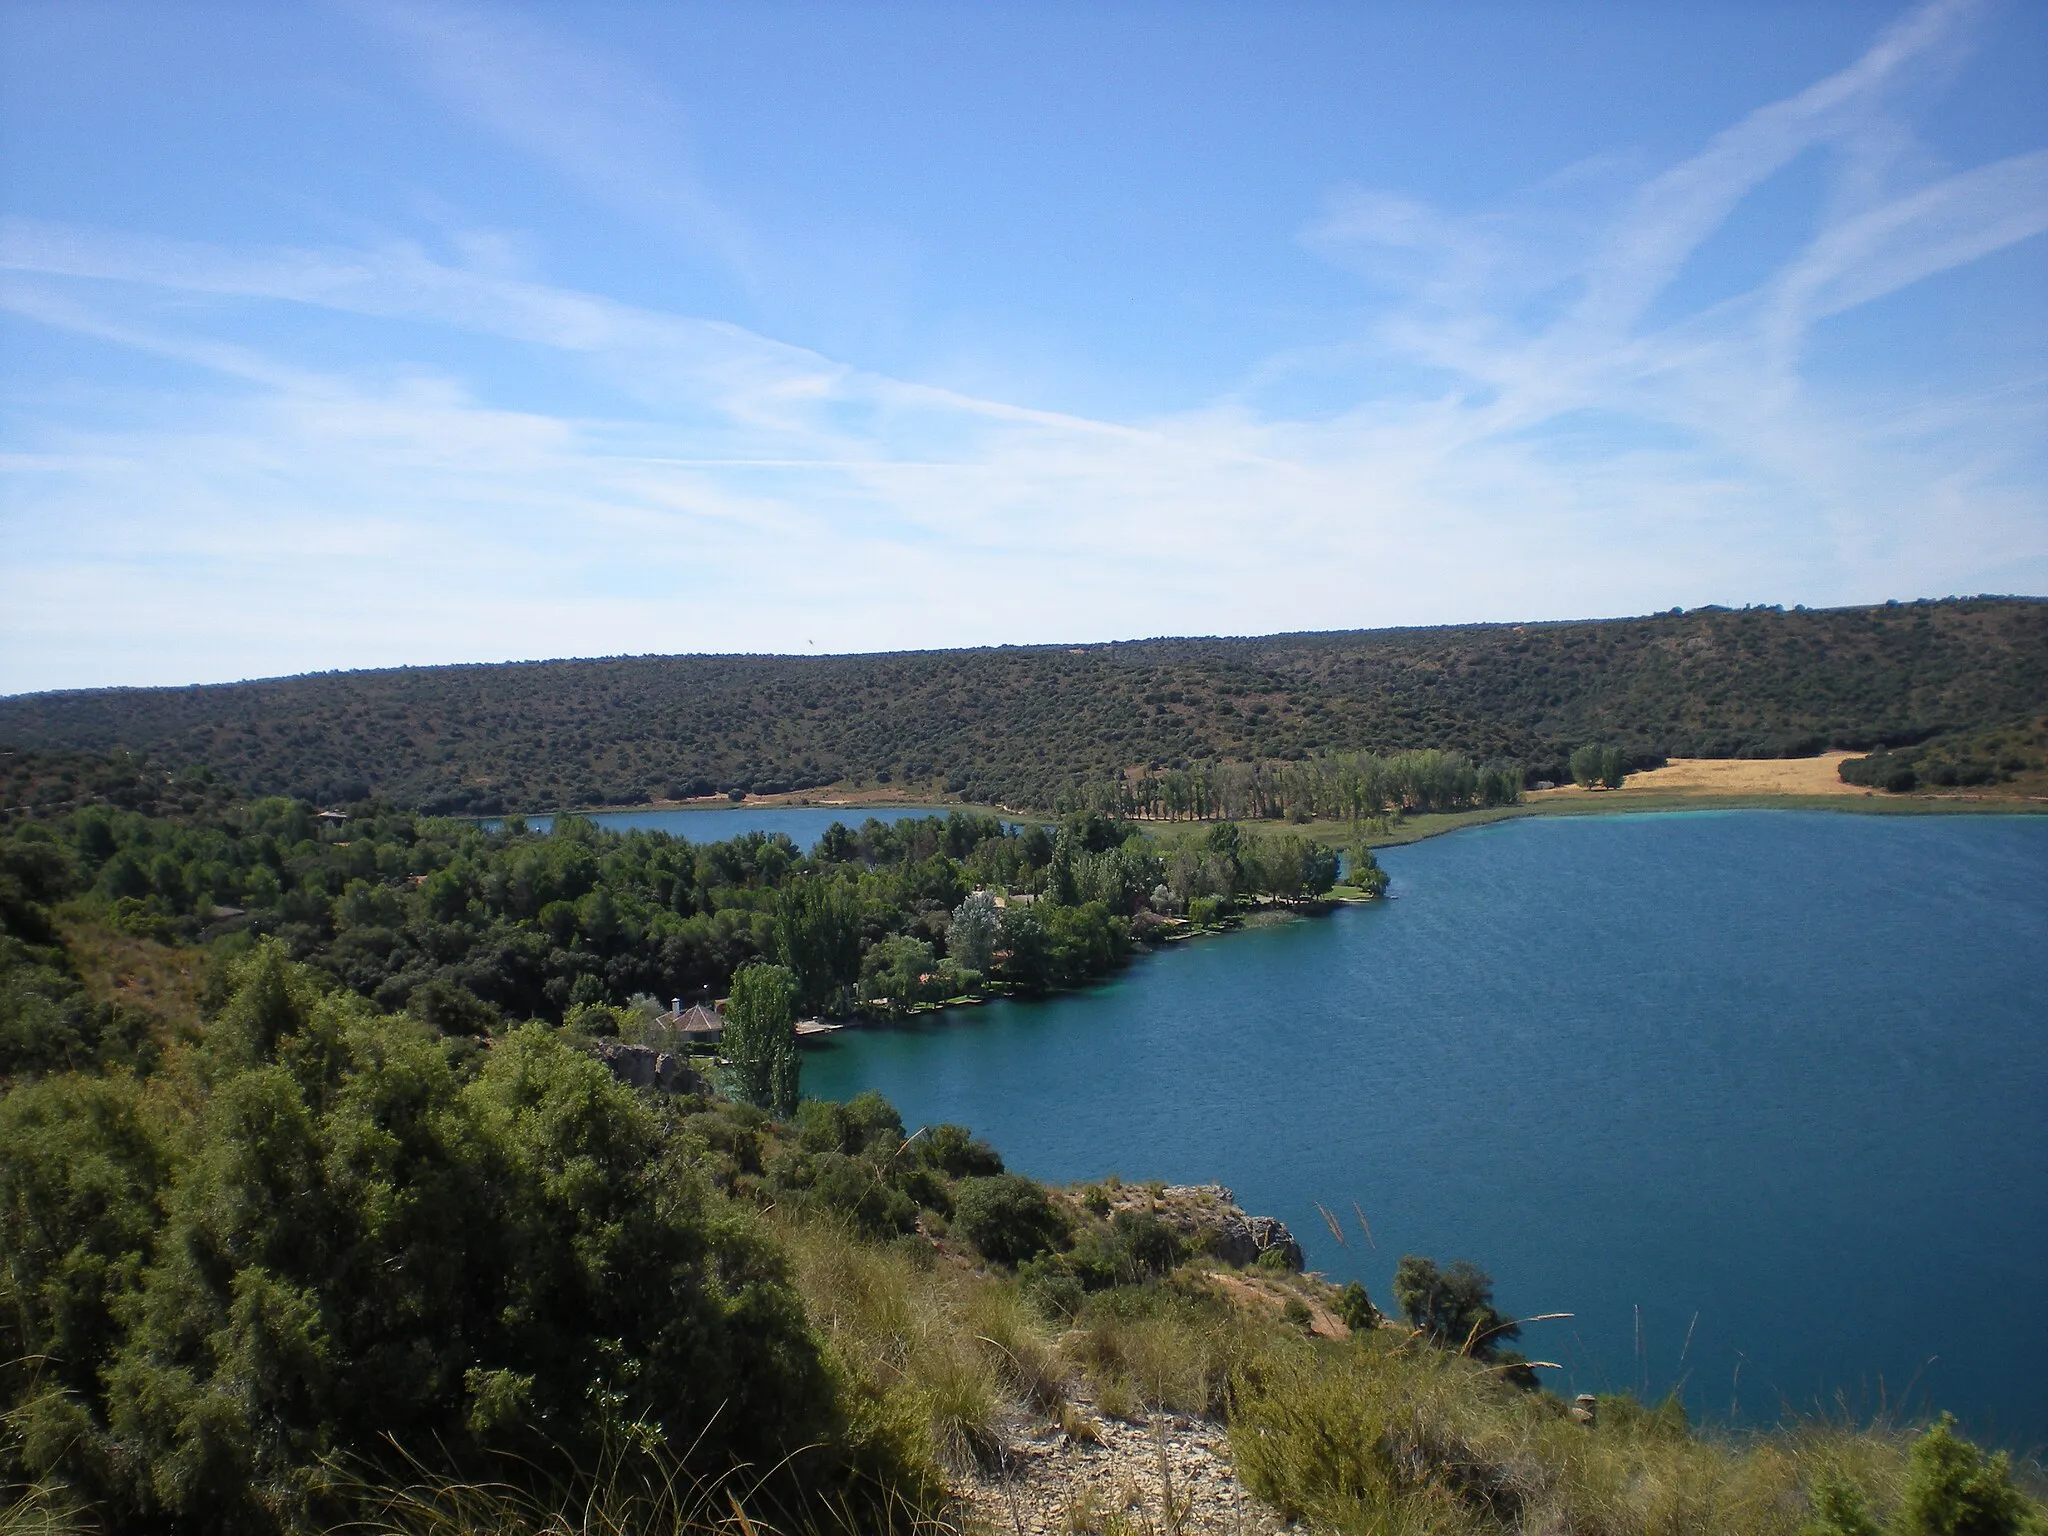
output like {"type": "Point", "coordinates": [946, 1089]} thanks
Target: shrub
{"type": "Point", "coordinates": [1132, 1248]}
{"type": "Point", "coordinates": [865, 1123]}
{"type": "Point", "coordinates": [1355, 1309]}
{"type": "Point", "coordinates": [1954, 1489]}
{"type": "Point", "coordinates": [1152, 1248]}
{"type": "Point", "coordinates": [1007, 1218]}
{"type": "Point", "coordinates": [1838, 1511]}
{"type": "Point", "coordinates": [955, 1152]}
{"type": "Point", "coordinates": [1453, 1305]}
{"type": "Point", "coordinates": [853, 1188]}
{"type": "Point", "coordinates": [1365, 872]}
{"type": "Point", "coordinates": [347, 1244]}
{"type": "Point", "coordinates": [1049, 1287]}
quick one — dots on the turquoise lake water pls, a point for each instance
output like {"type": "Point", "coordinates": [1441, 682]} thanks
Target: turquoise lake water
{"type": "Point", "coordinates": [1777, 1079]}
{"type": "Point", "coordinates": [805, 824]}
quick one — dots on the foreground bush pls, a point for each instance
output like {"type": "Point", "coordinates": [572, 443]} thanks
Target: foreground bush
{"type": "Point", "coordinates": [1007, 1218]}
{"type": "Point", "coordinates": [336, 1231]}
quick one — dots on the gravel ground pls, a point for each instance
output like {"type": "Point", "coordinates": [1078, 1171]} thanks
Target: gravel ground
{"type": "Point", "coordinates": [1055, 1483]}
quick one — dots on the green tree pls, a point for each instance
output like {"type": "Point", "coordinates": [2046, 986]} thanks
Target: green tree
{"type": "Point", "coordinates": [1318, 868]}
{"type": "Point", "coordinates": [895, 973]}
{"type": "Point", "coordinates": [759, 1042]}
{"type": "Point", "coordinates": [1453, 1305]}
{"type": "Point", "coordinates": [971, 937]}
{"type": "Point", "coordinates": [1023, 943]}
{"type": "Point", "coordinates": [1606, 767]}
{"type": "Point", "coordinates": [1586, 765]}
{"type": "Point", "coordinates": [1060, 886]}
{"type": "Point", "coordinates": [817, 936]}
{"type": "Point", "coordinates": [1365, 873]}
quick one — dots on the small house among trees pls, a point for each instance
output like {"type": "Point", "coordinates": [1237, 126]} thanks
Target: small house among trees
{"type": "Point", "coordinates": [695, 1023]}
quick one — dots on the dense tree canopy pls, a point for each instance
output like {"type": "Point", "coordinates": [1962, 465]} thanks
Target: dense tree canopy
{"type": "Point", "coordinates": [1026, 727]}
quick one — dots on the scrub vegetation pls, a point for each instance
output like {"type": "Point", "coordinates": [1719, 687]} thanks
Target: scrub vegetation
{"type": "Point", "coordinates": [812, 1337]}
{"type": "Point", "coordinates": [1034, 727]}
{"type": "Point", "coordinates": [276, 1256]}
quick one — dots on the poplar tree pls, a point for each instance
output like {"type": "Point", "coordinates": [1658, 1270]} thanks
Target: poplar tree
{"type": "Point", "coordinates": [759, 1042]}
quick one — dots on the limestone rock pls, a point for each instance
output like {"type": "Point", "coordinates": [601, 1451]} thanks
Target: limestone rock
{"type": "Point", "coordinates": [1209, 1219]}
{"type": "Point", "coordinates": [644, 1067]}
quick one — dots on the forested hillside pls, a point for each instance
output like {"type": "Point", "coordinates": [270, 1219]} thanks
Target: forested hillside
{"type": "Point", "coordinates": [1020, 726]}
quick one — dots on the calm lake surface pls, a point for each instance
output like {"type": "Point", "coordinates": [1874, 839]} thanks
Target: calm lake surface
{"type": "Point", "coordinates": [1778, 1079]}
{"type": "Point", "coordinates": [804, 824]}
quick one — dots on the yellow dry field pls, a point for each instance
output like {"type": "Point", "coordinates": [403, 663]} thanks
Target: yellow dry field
{"type": "Point", "coordinates": [1727, 776]}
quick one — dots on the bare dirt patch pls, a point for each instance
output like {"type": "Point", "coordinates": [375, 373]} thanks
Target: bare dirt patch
{"type": "Point", "coordinates": [1707, 776]}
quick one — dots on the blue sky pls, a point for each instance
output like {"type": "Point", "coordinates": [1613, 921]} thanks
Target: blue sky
{"type": "Point", "coordinates": [362, 334]}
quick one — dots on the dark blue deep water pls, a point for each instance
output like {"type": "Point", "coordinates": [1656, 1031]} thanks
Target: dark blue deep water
{"type": "Point", "coordinates": [1778, 1079]}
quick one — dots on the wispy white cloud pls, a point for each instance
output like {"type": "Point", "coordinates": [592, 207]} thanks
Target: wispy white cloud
{"type": "Point", "coordinates": [1548, 449]}
{"type": "Point", "coordinates": [592, 117]}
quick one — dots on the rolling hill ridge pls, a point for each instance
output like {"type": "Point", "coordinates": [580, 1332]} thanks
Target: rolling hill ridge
{"type": "Point", "coordinates": [1019, 725]}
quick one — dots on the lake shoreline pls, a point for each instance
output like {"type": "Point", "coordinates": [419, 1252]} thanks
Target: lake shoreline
{"type": "Point", "coordinates": [1680, 1115]}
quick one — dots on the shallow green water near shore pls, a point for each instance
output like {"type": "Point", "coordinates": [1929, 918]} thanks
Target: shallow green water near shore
{"type": "Point", "coordinates": [1777, 1079]}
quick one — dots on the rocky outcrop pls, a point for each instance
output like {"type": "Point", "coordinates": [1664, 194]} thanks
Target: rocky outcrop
{"type": "Point", "coordinates": [1240, 1239]}
{"type": "Point", "coordinates": [1209, 1219]}
{"type": "Point", "coordinates": [644, 1067]}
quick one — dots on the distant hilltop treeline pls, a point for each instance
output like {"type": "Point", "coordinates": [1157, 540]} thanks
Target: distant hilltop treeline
{"type": "Point", "coordinates": [1025, 726]}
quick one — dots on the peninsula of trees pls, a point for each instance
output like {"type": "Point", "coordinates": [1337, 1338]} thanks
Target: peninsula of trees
{"type": "Point", "coordinates": [465, 925]}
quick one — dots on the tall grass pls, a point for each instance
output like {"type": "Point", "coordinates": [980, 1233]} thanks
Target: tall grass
{"type": "Point", "coordinates": [640, 1492]}
{"type": "Point", "coordinates": [1389, 1436]}
{"type": "Point", "coordinates": [934, 1353]}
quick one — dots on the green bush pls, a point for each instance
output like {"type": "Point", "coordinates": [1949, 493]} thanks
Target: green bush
{"type": "Point", "coordinates": [1050, 1287]}
{"type": "Point", "coordinates": [1954, 1489]}
{"type": "Point", "coordinates": [956, 1152]}
{"type": "Point", "coordinates": [355, 1242]}
{"type": "Point", "coordinates": [1838, 1510]}
{"type": "Point", "coordinates": [1131, 1248]}
{"type": "Point", "coordinates": [1365, 872]}
{"type": "Point", "coordinates": [854, 1188]}
{"type": "Point", "coordinates": [1453, 1305]}
{"type": "Point", "coordinates": [1007, 1218]}
{"type": "Point", "coordinates": [865, 1123]}
{"type": "Point", "coordinates": [1355, 1309]}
